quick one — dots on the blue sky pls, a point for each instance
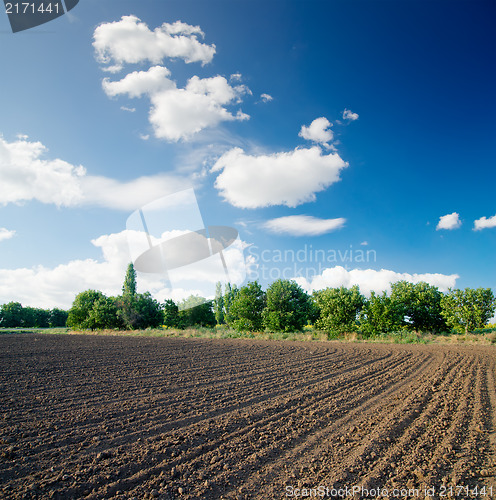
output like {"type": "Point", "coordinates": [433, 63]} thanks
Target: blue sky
{"type": "Point", "coordinates": [363, 131]}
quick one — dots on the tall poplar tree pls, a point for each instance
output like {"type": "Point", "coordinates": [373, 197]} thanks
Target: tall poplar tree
{"type": "Point", "coordinates": [129, 286]}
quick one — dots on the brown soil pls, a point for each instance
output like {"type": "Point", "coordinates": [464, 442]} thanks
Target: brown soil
{"type": "Point", "coordinates": [129, 417]}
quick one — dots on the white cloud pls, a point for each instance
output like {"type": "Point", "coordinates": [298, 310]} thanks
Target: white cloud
{"type": "Point", "coordinates": [364, 243]}
{"type": "Point", "coordinates": [303, 225]}
{"type": "Point", "coordinates": [112, 193]}
{"type": "Point", "coordinates": [179, 113]}
{"type": "Point", "coordinates": [175, 113]}
{"type": "Point", "coordinates": [349, 115]}
{"type": "Point", "coordinates": [129, 110]}
{"type": "Point", "coordinates": [137, 83]}
{"type": "Point", "coordinates": [371, 280]}
{"type": "Point", "coordinates": [46, 287]}
{"type": "Point", "coordinates": [450, 221]}
{"type": "Point", "coordinates": [6, 234]}
{"type": "Point", "coordinates": [131, 41]}
{"type": "Point", "coordinates": [318, 131]}
{"type": "Point", "coordinates": [25, 175]}
{"type": "Point", "coordinates": [266, 97]}
{"type": "Point", "coordinates": [288, 178]}
{"type": "Point", "coordinates": [485, 223]}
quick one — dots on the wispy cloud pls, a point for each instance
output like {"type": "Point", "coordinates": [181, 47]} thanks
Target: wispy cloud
{"type": "Point", "coordinates": [303, 225]}
{"type": "Point", "coordinates": [6, 234]}
{"type": "Point", "coordinates": [349, 115]}
{"type": "Point", "coordinates": [28, 175]}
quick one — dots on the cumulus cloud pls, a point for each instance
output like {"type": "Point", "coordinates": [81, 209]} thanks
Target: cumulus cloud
{"type": "Point", "coordinates": [287, 178]}
{"type": "Point", "coordinates": [318, 131]}
{"type": "Point", "coordinates": [130, 41]}
{"type": "Point", "coordinates": [179, 113]}
{"type": "Point", "coordinates": [47, 287]}
{"type": "Point", "coordinates": [371, 280]}
{"type": "Point", "coordinates": [27, 175]}
{"type": "Point", "coordinates": [266, 97]}
{"type": "Point", "coordinates": [349, 115]}
{"type": "Point", "coordinates": [303, 225]}
{"type": "Point", "coordinates": [6, 234]}
{"type": "Point", "coordinates": [485, 223]}
{"type": "Point", "coordinates": [137, 83]}
{"type": "Point", "coordinates": [175, 113]}
{"type": "Point", "coordinates": [450, 221]}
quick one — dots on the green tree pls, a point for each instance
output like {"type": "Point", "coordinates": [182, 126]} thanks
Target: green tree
{"type": "Point", "coordinates": [103, 314]}
{"type": "Point", "coordinates": [11, 315]}
{"type": "Point", "coordinates": [380, 314]}
{"type": "Point", "coordinates": [339, 309]}
{"type": "Point", "coordinates": [196, 311]}
{"type": "Point", "coordinates": [287, 307]}
{"type": "Point", "coordinates": [218, 304]}
{"type": "Point", "coordinates": [229, 296]}
{"type": "Point", "coordinates": [58, 318]}
{"type": "Point", "coordinates": [139, 311]}
{"type": "Point", "coordinates": [35, 317]}
{"type": "Point", "coordinates": [466, 310]}
{"type": "Point", "coordinates": [79, 313]}
{"type": "Point", "coordinates": [247, 307]}
{"type": "Point", "coordinates": [420, 304]}
{"type": "Point", "coordinates": [150, 311]}
{"type": "Point", "coordinates": [129, 287]}
{"type": "Point", "coordinates": [171, 314]}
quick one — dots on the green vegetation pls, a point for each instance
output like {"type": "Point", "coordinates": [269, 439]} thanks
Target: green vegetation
{"type": "Point", "coordinates": [14, 315]}
{"type": "Point", "coordinates": [413, 312]}
{"type": "Point", "coordinates": [288, 307]}
{"type": "Point", "coordinates": [468, 310]}
{"type": "Point", "coordinates": [339, 309]}
{"type": "Point", "coordinates": [246, 309]}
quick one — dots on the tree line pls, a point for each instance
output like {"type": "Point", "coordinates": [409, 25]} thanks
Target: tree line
{"type": "Point", "coordinates": [14, 315]}
{"type": "Point", "coordinates": [283, 307]}
{"type": "Point", "coordinates": [286, 307]}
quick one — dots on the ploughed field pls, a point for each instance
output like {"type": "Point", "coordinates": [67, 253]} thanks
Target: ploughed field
{"type": "Point", "coordinates": [122, 417]}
